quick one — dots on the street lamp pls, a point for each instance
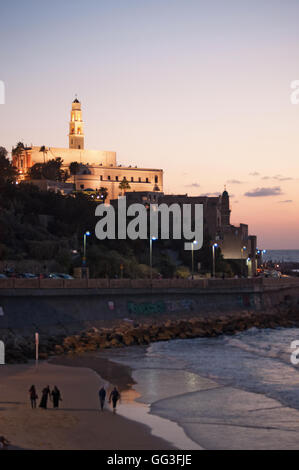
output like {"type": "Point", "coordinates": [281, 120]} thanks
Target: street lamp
{"type": "Point", "coordinates": [152, 239]}
{"type": "Point", "coordinates": [86, 234]}
{"type": "Point", "coordinates": [249, 266]}
{"type": "Point", "coordinates": [192, 252]}
{"type": "Point", "coordinates": [263, 253]}
{"type": "Point", "coordinates": [215, 245]}
{"type": "Point", "coordinates": [244, 248]}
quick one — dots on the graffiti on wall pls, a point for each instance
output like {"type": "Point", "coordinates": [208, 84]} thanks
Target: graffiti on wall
{"type": "Point", "coordinates": [161, 306]}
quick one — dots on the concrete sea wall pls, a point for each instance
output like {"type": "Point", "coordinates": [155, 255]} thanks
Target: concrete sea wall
{"type": "Point", "coordinates": [68, 305]}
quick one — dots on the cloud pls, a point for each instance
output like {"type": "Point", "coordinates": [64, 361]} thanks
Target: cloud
{"type": "Point", "coordinates": [235, 182]}
{"type": "Point", "coordinates": [277, 178]}
{"type": "Point", "coordinates": [254, 173]}
{"type": "Point", "coordinates": [210, 194]}
{"type": "Point", "coordinates": [282, 178]}
{"type": "Point", "coordinates": [263, 192]}
{"type": "Point", "coordinates": [287, 201]}
{"type": "Point", "coordinates": [193, 185]}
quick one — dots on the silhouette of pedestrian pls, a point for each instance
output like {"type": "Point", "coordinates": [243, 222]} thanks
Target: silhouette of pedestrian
{"type": "Point", "coordinates": [45, 395]}
{"type": "Point", "coordinates": [4, 443]}
{"type": "Point", "coordinates": [102, 397]}
{"type": "Point", "coordinates": [33, 396]}
{"type": "Point", "coordinates": [114, 397]}
{"type": "Point", "coordinates": [56, 397]}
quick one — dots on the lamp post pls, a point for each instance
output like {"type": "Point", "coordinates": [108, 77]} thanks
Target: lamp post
{"type": "Point", "coordinates": [249, 266]}
{"type": "Point", "coordinates": [244, 248]}
{"type": "Point", "coordinates": [263, 253]}
{"type": "Point", "coordinates": [215, 245]}
{"type": "Point", "coordinates": [192, 254]}
{"type": "Point", "coordinates": [86, 234]}
{"type": "Point", "coordinates": [152, 239]}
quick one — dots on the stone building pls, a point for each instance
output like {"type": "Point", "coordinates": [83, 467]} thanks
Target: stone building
{"type": "Point", "coordinates": [99, 168]}
{"type": "Point", "coordinates": [234, 241]}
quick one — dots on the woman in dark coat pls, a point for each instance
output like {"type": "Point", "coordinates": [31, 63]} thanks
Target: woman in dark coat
{"type": "Point", "coordinates": [45, 396]}
{"type": "Point", "coordinates": [56, 397]}
{"type": "Point", "coordinates": [33, 396]}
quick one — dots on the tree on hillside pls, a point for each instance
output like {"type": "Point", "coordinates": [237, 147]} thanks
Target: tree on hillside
{"type": "Point", "coordinates": [36, 172]}
{"type": "Point", "coordinates": [124, 186]}
{"type": "Point", "coordinates": [51, 170]}
{"type": "Point", "coordinates": [8, 173]}
{"type": "Point", "coordinates": [74, 170]}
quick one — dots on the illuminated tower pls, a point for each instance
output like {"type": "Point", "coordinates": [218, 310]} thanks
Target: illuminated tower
{"type": "Point", "coordinates": [76, 135]}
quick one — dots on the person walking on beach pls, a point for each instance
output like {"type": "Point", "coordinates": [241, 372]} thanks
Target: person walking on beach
{"type": "Point", "coordinates": [33, 396]}
{"type": "Point", "coordinates": [4, 443]}
{"type": "Point", "coordinates": [45, 395]}
{"type": "Point", "coordinates": [102, 397]}
{"type": "Point", "coordinates": [56, 397]}
{"type": "Point", "coordinates": [114, 397]}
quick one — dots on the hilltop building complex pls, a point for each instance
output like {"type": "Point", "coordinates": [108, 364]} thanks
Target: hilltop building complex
{"type": "Point", "coordinates": [99, 169]}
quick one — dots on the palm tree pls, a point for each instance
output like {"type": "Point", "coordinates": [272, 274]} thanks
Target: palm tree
{"type": "Point", "coordinates": [44, 151]}
{"type": "Point", "coordinates": [103, 192]}
{"type": "Point", "coordinates": [19, 149]}
{"type": "Point", "coordinates": [124, 186]}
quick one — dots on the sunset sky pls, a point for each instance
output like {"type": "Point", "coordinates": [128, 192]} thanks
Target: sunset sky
{"type": "Point", "coordinates": [198, 88]}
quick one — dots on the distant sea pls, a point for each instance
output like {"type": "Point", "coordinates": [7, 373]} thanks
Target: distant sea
{"type": "Point", "coordinates": [282, 255]}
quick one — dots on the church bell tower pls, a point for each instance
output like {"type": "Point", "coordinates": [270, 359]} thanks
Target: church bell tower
{"type": "Point", "coordinates": [225, 210]}
{"type": "Point", "coordinates": [76, 135]}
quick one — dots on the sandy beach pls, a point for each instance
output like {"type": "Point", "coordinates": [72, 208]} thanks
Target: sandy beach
{"type": "Point", "coordinates": [78, 425]}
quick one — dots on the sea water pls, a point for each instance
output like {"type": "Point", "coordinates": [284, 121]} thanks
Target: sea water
{"type": "Point", "coordinates": [280, 256]}
{"type": "Point", "coordinates": [239, 391]}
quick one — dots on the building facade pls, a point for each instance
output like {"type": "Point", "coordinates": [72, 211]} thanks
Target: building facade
{"type": "Point", "coordinates": [98, 168]}
{"type": "Point", "coordinates": [234, 241]}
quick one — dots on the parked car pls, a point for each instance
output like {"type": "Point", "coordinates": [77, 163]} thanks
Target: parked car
{"type": "Point", "coordinates": [2, 276]}
{"type": "Point", "coordinates": [27, 276]}
{"type": "Point", "coordinates": [60, 276]}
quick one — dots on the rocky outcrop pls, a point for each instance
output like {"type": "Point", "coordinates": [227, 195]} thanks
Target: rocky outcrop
{"type": "Point", "coordinates": [20, 348]}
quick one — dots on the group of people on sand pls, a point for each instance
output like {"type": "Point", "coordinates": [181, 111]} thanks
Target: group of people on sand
{"type": "Point", "coordinates": [54, 396]}
{"type": "Point", "coordinates": [114, 397]}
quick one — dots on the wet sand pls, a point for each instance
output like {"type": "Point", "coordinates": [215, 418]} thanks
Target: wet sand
{"type": "Point", "coordinates": [78, 424]}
